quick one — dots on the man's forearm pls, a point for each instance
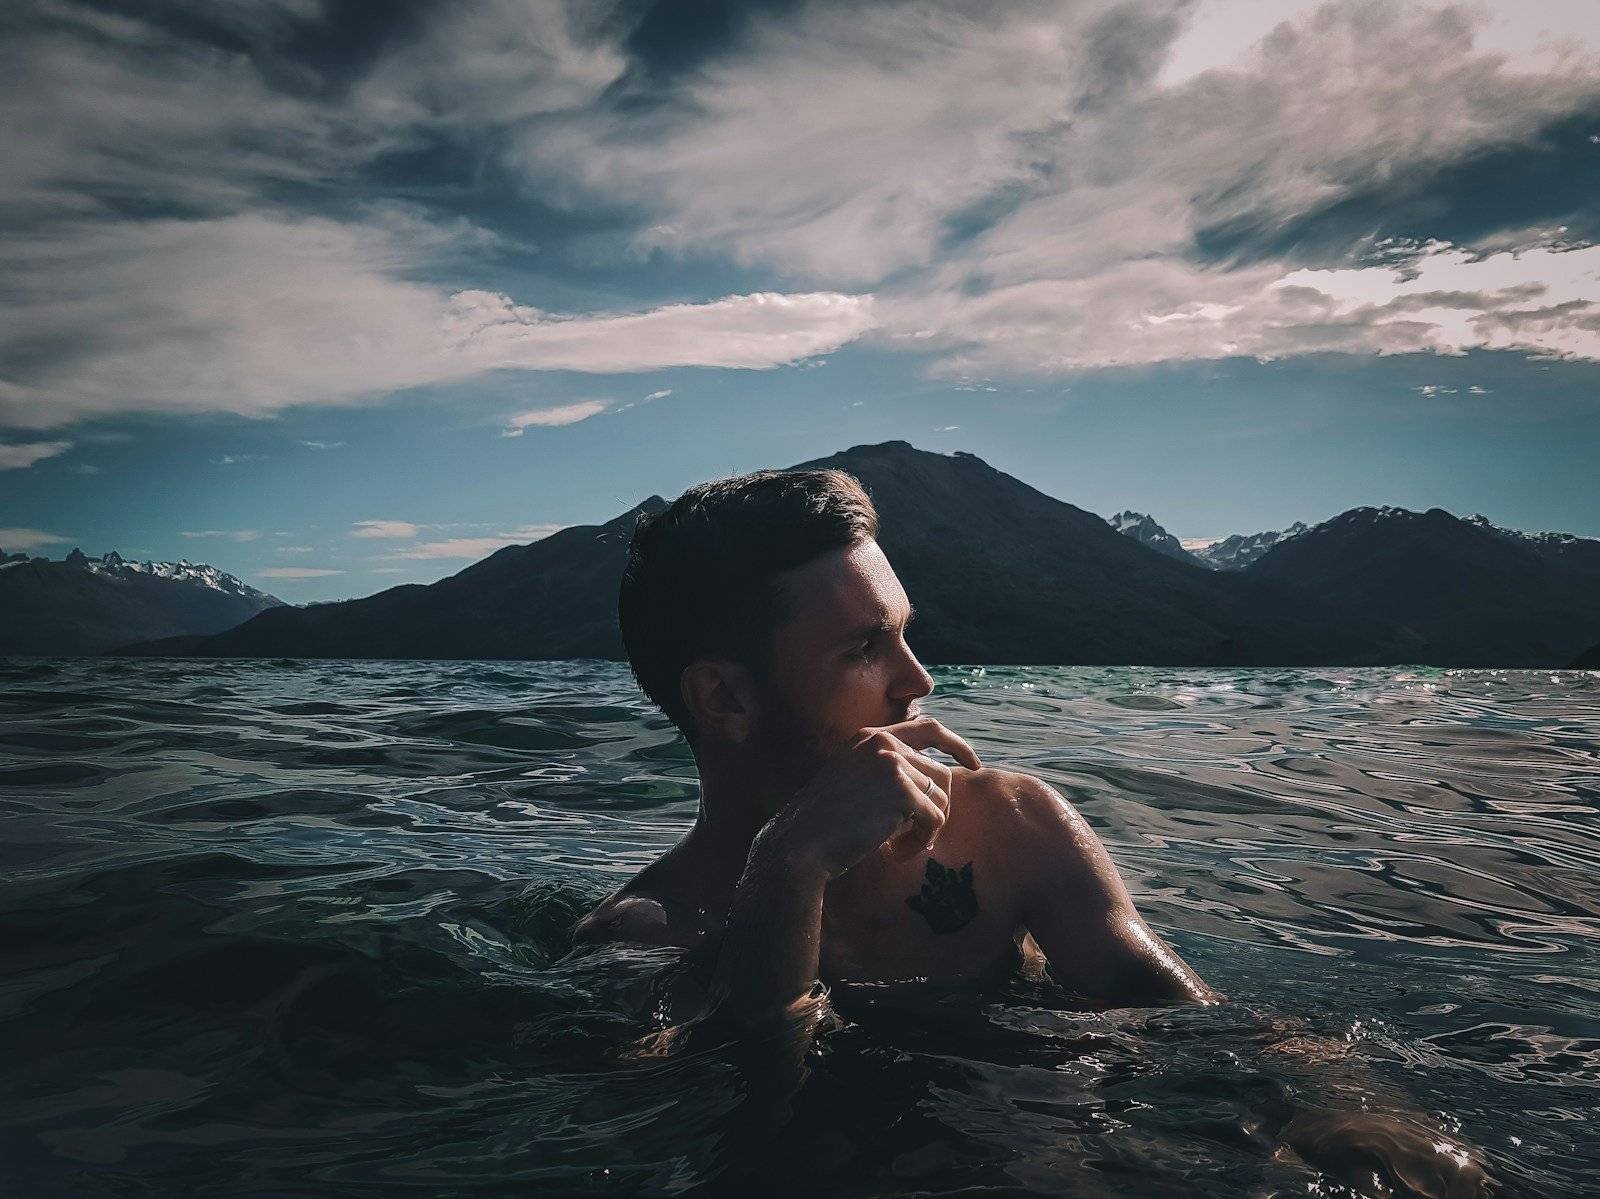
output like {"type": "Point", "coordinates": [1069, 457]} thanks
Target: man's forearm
{"type": "Point", "coordinates": [773, 935]}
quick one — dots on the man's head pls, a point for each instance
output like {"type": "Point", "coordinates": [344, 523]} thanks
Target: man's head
{"type": "Point", "coordinates": [736, 603]}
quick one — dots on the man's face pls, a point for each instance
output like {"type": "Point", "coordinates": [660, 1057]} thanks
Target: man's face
{"type": "Point", "coordinates": [840, 662]}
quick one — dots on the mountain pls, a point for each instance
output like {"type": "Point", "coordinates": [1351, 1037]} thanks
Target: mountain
{"type": "Point", "coordinates": [86, 605]}
{"type": "Point", "coordinates": [1146, 531]}
{"type": "Point", "coordinates": [1002, 573]}
{"type": "Point", "coordinates": [555, 598]}
{"type": "Point", "coordinates": [999, 571]}
{"type": "Point", "coordinates": [1470, 593]}
{"type": "Point", "coordinates": [1242, 549]}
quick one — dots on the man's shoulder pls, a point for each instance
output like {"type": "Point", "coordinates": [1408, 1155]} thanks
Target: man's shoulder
{"type": "Point", "coordinates": [1013, 796]}
{"type": "Point", "coordinates": [1033, 821]}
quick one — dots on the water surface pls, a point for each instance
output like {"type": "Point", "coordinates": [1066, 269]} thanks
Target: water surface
{"type": "Point", "coordinates": [294, 928]}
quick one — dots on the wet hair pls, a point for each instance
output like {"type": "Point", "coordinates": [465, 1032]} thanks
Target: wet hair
{"type": "Point", "coordinates": [701, 579]}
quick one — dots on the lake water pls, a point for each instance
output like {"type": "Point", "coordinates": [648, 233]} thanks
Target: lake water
{"type": "Point", "coordinates": [292, 929]}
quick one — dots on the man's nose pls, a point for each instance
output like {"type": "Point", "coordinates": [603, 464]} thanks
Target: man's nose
{"type": "Point", "coordinates": [916, 682]}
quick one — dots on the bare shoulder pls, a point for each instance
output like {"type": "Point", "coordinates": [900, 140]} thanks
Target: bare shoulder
{"type": "Point", "coordinates": [628, 916]}
{"type": "Point", "coordinates": [1045, 838]}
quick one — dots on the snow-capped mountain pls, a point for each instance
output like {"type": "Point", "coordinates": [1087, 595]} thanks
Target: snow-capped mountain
{"type": "Point", "coordinates": [1241, 549]}
{"type": "Point", "coordinates": [1146, 531]}
{"type": "Point", "coordinates": [85, 605]}
{"type": "Point", "coordinates": [114, 565]}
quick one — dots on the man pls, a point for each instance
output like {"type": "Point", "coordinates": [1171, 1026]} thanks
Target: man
{"type": "Point", "coordinates": [760, 613]}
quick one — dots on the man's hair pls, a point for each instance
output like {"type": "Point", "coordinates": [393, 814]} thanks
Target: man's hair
{"type": "Point", "coordinates": [701, 579]}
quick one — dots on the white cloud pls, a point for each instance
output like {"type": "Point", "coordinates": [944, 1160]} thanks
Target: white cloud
{"type": "Point", "coordinates": [296, 549]}
{"type": "Point", "coordinates": [566, 414]}
{"type": "Point", "coordinates": [477, 547]}
{"type": "Point", "coordinates": [254, 313]}
{"type": "Point", "coordinates": [20, 456]}
{"type": "Point", "coordinates": [322, 445]}
{"type": "Point", "coordinates": [383, 528]}
{"type": "Point", "coordinates": [1082, 168]}
{"type": "Point", "coordinates": [296, 572]}
{"type": "Point", "coordinates": [17, 540]}
{"type": "Point", "coordinates": [657, 395]}
{"type": "Point", "coordinates": [240, 535]}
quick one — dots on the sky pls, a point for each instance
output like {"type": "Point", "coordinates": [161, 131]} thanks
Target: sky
{"type": "Point", "coordinates": [335, 295]}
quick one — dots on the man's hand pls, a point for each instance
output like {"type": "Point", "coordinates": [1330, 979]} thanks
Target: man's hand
{"type": "Point", "coordinates": [878, 792]}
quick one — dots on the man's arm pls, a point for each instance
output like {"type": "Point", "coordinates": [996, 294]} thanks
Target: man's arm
{"type": "Point", "coordinates": [1079, 911]}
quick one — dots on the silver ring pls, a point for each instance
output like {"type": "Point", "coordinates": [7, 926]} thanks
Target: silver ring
{"type": "Point", "coordinates": [928, 790]}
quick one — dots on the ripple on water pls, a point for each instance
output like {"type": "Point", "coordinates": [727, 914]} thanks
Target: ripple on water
{"type": "Point", "coordinates": [283, 927]}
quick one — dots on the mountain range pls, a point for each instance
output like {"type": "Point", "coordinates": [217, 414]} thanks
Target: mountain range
{"type": "Point", "coordinates": [1002, 573]}
{"type": "Point", "coordinates": [1230, 553]}
{"type": "Point", "coordinates": [85, 605]}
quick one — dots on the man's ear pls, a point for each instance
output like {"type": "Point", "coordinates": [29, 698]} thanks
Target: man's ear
{"type": "Point", "coordinates": [720, 696]}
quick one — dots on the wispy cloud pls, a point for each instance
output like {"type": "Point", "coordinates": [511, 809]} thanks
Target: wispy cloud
{"type": "Point", "coordinates": [323, 445]}
{"type": "Point", "coordinates": [19, 456]}
{"type": "Point", "coordinates": [477, 547]}
{"type": "Point", "coordinates": [658, 395]}
{"type": "Point", "coordinates": [17, 540]}
{"type": "Point", "coordinates": [383, 528]}
{"type": "Point", "coordinates": [296, 572]}
{"type": "Point", "coordinates": [235, 459]}
{"type": "Point", "coordinates": [566, 414]}
{"type": "Point", "coordinates": [230, 534]}
{"type": "Point", "coordinates": [296, 549]}
{"type": "Point", "coordinates": [319, 311]}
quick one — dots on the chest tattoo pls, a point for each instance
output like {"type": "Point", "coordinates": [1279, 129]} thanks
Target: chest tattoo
{"type": "Point", "coordinates": [947, 901]}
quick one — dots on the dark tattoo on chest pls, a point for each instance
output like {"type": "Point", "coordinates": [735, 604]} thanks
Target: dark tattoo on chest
{"type": "Point", "coordinates": [947, 901]}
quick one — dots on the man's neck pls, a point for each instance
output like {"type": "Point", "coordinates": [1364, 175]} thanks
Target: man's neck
{"type": "Point", "coordinates": [737, 798]}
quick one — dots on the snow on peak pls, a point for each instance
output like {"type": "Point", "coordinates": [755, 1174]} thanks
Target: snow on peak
{"type": "Point", "coordinates": [115, 566]}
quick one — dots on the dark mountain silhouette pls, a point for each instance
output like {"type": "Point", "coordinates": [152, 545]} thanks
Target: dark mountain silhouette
{"type": "Point", "coordinates": [1002, 573]}
{"type": "Point", "coordinates": [86, 605]}
{"type": "Point", "coordinates": [1472, 594]}
{"type": "Point", "coordinates": [555, 598]}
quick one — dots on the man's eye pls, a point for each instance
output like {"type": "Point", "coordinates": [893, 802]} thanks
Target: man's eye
{"type": "Point", "coordinates": [865, 649]}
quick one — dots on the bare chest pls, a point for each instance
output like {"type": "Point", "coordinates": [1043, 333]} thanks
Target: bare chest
{"type": "Point", "coordinates": [938, 919]}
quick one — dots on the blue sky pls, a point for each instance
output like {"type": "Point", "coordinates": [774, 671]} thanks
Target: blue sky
{"type": "Point", "coordinates": [337, 296]}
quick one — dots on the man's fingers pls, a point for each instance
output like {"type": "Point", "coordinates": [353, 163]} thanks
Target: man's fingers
{"type": "Point", "coordinates": [923, 769]}
{"type": "Point", "coordinates": [928, 733]}
{"type": "Point", "coordinates": [920, 828]}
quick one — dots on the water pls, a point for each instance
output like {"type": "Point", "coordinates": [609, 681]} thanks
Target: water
{"type": "Point", "coordinates": [293, 929]}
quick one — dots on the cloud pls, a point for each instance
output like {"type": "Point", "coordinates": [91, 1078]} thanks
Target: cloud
{"type": "Point", "coordinates": [15, 540]}
{"type": "Point", "coordinates": [235, 459]}
{"type": "Point", "coordinates": [21, 456]}
{"type": "Point", "coordinates": [1029, 189]}
{"type": "Point", "coordinates": [240, 535]}
{"type": "Point", "coordinates": [296, 572]}
{"type": "Point", "coordinates": [657, 395]}
{"type": "Point", "coordinates": [253, 313]}
{"type": "Point", "coordinates": [85, 468]}
{"type": "Point", "coordinates": [383, 528]}
{"type": "Point", "coordinates": [296, 549]}
{"type": "Point", "coordinates": [566, 414]}
{"type": "Point", "coordinates": [323, 445]}
{"type": "Point", "coordinates": [477, 547]}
